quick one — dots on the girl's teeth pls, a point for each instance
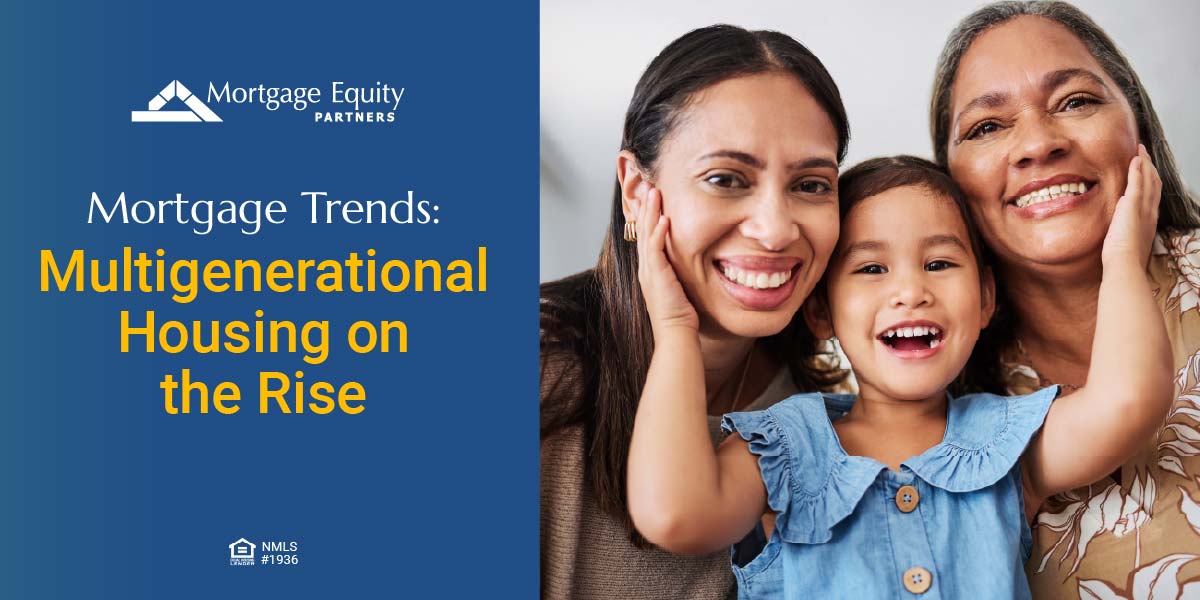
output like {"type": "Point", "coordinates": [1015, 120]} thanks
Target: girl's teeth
{"type": "Point", "coordinates": [757, 279]}
{"type": "Point", "coordinates": [935, 343]}
{"type": "Point", "coordinates": [907, 332]}
{"type": "Point", "coordinates": [1052, 192]}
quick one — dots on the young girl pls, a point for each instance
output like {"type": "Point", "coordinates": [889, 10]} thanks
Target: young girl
{"type": "Point", "coordinates": [901, 490]}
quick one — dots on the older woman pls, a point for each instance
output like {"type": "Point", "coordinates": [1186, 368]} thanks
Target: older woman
{"type": "Point", "coordinates": [741, 132]}
{"type": "Point", "coordinates": [1037, 115]}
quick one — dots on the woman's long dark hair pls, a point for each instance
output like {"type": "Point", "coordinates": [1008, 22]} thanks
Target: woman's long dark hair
{"type": "Point", "coordinates": [1177, 207]}
{"type": "Point", "coordinates": [596, 340]}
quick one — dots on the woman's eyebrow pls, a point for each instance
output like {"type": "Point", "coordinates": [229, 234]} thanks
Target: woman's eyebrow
{"type": "Point", "coordinates": [742, 157]}
{"type": "Point", "coordinates": [813, 163]}
{"type": "Point", "coordinates": [988, 100]}
{"type": "Point", "coordinates": [753, 161]}
{"type": "Point", "coordinates": [1050, 82]}
{"type": "Point", "coordinates": [1053, 79]}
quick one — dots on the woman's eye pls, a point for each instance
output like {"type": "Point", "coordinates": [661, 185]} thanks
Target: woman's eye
{"type": "Point", "coordinates": [938, 265]}
{"type": "Point", "coordinates": [872, 270]}
{"type": "Point", "coordinates": [725, 180]}
{"type": "Point", "coordinates": [1077, 102]}
{"type": "Point", "coordinates": [982, 129]}
{"type": "Point", "coordinates": [813, 186]}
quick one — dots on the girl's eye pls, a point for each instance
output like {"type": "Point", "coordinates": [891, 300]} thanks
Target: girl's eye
{"type": "Point", "coordinates": [813, 186]}
{"type": "Point", "coordinates": [872, 270]}
{"type": "Point", "coordinates": [725, 180]}
{"type": "Point", "coordinates": [982, 129]}
{"type": "Point", "coordinates": [938, 265]}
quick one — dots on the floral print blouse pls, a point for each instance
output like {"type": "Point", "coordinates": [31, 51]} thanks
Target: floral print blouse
{"type": "Point", "coordinates": [1138, 539]}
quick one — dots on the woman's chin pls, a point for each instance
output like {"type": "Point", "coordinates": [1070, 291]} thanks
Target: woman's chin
{"type": "Point", "coordinates": [750, 324]}
{"type": "Point", "coordinates": [1057, 242]}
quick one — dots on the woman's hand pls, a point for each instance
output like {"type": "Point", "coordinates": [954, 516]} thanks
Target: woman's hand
{"type": "Point", "coordinates": [665, 300]}
{"type": "Point", "coordinates": [1136, 216]}
{"type": "Point", "coordinates": [1130, 381]}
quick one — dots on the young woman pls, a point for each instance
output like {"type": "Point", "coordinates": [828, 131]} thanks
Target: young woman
{"type": "Point", "coordinates": [742, 133]}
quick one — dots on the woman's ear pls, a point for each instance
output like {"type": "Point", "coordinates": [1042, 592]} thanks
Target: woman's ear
{"type": "Point", "coordinates": [634, 184]}
{"type": "Point", "coordinates": [816, 315]}
{"type": "Point", "coordinates": [987, 295]}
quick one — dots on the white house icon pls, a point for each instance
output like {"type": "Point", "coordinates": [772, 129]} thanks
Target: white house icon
{"type": "Point", "coordinates": [199, 110]}
{"type": "Point", "coordinates": [242, 548]}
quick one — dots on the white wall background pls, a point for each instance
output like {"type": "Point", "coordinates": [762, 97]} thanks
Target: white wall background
{"type": "Point", "coordinates": [880, 53]}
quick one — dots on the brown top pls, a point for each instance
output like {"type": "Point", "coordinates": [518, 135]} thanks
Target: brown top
{"type": "Point", "coordinates": [586, 553]}
{"type": "Point", "coordinates": [1138, 538]}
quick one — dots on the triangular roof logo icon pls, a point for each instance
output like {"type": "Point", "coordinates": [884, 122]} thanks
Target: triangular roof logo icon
{"type": "Point", "coordinates": [199, 111]}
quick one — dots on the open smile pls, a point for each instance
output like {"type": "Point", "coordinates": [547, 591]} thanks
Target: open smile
{"type": "Point", "coordinates": [759, 283]}
{"type": "Point", "coordinates": [913, 339]}
{"type": "Point", "coordinates": [1046, 197]}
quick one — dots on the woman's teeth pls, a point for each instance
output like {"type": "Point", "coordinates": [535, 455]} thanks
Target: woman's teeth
{"type": "Point", "coordinates": [1052, 192]}
{"type": "Point", "coordinates": [757, 279]}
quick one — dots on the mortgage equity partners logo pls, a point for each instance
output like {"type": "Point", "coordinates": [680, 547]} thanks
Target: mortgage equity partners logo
{"type": "Point", "coordinates": [338, 103]}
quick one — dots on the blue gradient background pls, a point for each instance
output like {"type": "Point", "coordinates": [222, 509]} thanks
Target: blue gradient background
{"type": "Point", "coordinates": [431, 491]}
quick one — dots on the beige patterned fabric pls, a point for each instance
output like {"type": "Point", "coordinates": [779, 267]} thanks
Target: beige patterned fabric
{"type": "Point", "coordinates": [1138, 539]}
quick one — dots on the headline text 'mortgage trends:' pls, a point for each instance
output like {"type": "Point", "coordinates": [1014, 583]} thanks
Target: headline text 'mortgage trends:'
{"type": "Point", "coordinates": [250, 214]}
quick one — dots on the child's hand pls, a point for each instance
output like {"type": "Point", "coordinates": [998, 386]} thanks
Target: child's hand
{"type": "Point", "coordinates": [665, 301]}
{"type": "Point", "coordinates": [1136, 216]}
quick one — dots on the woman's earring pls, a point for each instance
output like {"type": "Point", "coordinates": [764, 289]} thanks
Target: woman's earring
{"type": "Point", "coordinates": [630, 231]}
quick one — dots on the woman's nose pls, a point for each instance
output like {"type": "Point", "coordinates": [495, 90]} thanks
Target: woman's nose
{"type": "Point", "coordinates": [1037, 139]}
{"type": "Point", "coordinates": [910, 292]}
{"type": "Point", "coordinates": [770, 223]}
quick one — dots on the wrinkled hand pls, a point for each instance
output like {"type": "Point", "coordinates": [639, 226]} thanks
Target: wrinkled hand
{"type": "Point", "coordinates": [665, 300]}
{"type": "Point", "coordinates": [1136, 217]}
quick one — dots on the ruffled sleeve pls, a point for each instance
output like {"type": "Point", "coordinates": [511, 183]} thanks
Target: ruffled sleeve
{"type": "Point", "coordinates": [811, 486]}
{"type": "Point", "coordinates": [986, 435]}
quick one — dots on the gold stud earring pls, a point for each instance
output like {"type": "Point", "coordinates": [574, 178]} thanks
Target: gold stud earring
{"type": "Point", "coordinates": [630, 231]}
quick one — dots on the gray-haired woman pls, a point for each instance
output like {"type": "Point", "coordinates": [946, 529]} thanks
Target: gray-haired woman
{"type": "Point", "coordinates": [1037, 115]}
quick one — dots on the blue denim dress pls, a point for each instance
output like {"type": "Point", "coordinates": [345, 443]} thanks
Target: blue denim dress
{"type": "Point", "coordinates": [950, 524]}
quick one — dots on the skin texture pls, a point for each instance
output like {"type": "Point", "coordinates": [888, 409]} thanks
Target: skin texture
{"type": "Point", "coordinates": [687, 498]}
{"type": "Point", "coordinates": [882, 276]}
{"type": "Point", "coordinates": [1079, 125]}
{"type": "Point", "coordinates": [733, 181]}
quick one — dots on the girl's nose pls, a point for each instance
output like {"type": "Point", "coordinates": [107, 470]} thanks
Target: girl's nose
{"type": "Point", "coordinates": [910, 292]}
{"type": "Point", "coordinates": [770, 223]}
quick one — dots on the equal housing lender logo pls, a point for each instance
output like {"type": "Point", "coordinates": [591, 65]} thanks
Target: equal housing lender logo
{"type": "Point", "coordinates": [338, 103]}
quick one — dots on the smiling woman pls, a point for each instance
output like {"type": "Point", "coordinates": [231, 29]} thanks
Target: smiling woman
{"type": "Point", "coordinates": [736, 135]}
{"type": "Point", "coordinates": [1038, 116]}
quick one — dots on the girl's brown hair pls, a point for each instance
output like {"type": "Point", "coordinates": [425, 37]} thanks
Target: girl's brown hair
{"type": "Point", "coordinates": [878, 175]}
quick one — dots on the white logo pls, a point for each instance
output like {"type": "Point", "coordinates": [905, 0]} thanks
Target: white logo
{"type": "Point", "coordinates": [198, 112]}
{"type": "Point", "coordinates": [241, 552]}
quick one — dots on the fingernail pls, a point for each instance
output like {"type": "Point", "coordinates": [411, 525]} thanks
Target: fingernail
{"type": "Point", "coordinates": [662, 219]}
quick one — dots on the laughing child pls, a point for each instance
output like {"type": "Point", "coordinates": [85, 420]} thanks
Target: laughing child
{"type": "Point", "coordinates": [903, 489]}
